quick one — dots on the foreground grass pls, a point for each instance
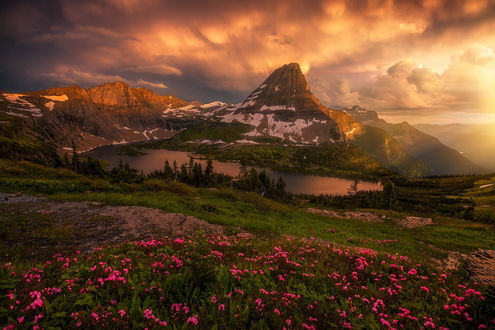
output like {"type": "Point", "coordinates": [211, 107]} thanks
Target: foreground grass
{"type": "Point", "coordinates": [238, 283]}
{"type": "Point", "coordinates": [254, 214]}
{"type": "Point", "coordinates": [483, 194]}
{"type": "Point", "coordinates": [250, 212]}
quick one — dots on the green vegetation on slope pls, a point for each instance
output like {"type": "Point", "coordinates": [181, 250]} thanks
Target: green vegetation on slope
{"type": "Point", "coordinates": [213, 131]}
{"type": "Point", "coordinates": [326, 159]}
{"type": "Point", "coordinates": [389, 152]}
{"type": "Point", "coordinates": [17, 142]}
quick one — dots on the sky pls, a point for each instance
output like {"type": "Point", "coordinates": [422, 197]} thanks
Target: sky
{"type": "Point", "coordinates": [421, 61]}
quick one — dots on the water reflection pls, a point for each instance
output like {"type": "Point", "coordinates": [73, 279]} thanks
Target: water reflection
{"type": "Point", "coordinates": [296, 183]}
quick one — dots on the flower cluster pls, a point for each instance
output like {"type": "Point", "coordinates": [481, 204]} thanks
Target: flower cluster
{"type": "Point", "coordinates": [238, 283]}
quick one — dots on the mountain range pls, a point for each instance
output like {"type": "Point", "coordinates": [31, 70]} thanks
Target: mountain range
{"type": "Point", "coordinates": [475, 141]}
{"type": "Point", "coordinates": [281, 108]}
{"type": "Point", "coordinates": [440, 159]}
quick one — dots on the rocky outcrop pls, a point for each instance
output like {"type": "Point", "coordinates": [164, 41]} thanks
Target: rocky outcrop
{"type": "Point", "coordinates": [103, 225]}
{"type": "Point", "coordinates": [481, 265]}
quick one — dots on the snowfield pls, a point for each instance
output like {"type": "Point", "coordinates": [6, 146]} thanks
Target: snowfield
{"type": "Point", "coordinates": [60, 98]}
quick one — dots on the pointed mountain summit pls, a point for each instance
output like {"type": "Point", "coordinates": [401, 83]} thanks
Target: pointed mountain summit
{"type": "Point", "coordinates": [284, 107]}
{"type": "Point", "coordinates": [285, 89]}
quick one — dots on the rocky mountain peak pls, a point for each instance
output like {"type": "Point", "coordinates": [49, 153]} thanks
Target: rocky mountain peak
{"type": "Point", "coordinates": [286, 89]}
{"type": "Point", "coordinates": [364, 116]}
{"type": "Point", "coordinates": [113, 94]}
{"type": "Point", "coordinates": [283, 106]}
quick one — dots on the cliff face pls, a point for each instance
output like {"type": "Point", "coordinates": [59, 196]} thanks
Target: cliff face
{"type": "Point", "coordinates": [112, 113]}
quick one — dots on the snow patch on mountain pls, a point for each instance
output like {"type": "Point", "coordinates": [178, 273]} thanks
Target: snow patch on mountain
{"type": "Point", "coordinates": [351, 131]}
{"type": "Point", "coordinates": [244, 141]}
{"type": "Point", "coordinates": [15, 114]}
{"type": "Point", "coordinates": [248, 103]}
{"type": "Point", "coordinates": [269, 124]}
{"type": "Point", "coordinates": [60, 98]}
{"type": "Point", "coordinates": [18, 103]}
{"type": "Point", "coordinates": [50, 105]}
{"type": "Point", "coordinates": [188, 107]}
{"type": "Point", "coordinates": [213, 104]}
{"type": "Point", "coordinates": [245, 118]}
{"type": "Point", "coordinates": [277, 108]}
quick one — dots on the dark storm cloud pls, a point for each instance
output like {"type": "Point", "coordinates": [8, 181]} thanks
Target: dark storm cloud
{"type": "Point", "coordinates": [221, 49]}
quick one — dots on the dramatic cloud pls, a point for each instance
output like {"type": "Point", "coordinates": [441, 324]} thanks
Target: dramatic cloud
{"type": "Point", "coordinates": [467, 84]}
{"type": "Point", "coordinates": [354, 51]}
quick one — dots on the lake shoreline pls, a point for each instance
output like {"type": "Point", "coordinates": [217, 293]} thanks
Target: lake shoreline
{"type": "Point", "coordinates": [296, 183]}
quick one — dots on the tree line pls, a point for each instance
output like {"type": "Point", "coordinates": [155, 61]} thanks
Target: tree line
{"type": "Point", "coordinates": [191, 172]}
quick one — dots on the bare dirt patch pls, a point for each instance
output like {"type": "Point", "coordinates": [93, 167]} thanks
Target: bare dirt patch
{"type": "Point", "coordinates": [453, 261]}
{"type": "Point", "coordinates": [362, 216]}
{"type": "Point", "coordinates": [412, 222]}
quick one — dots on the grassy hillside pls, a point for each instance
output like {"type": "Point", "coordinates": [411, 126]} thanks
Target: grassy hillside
{"type": "Point", "coordinates": [18, 142]}
{"type": "Point", "coordinates": [249, 211]}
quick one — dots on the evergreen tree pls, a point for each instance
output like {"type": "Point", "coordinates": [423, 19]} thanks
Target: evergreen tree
{"type": "Point", "coordinates": [280, 188]}
{"type": "Point", "coordinates": [75, 158]}
{"type": "Point", "coordinates": [390, 195]}
{"type": "Point", "coordinates": [353, 188]}
{"type": "Point", "coordinates": [168, 172]}
{"type": "Point", "coordinates": [184, 174]}
{"type": "Point", "coordinates": [176, 170]}
{"type": "Point", "coordinates": [66, 162]}
{"type": "Point", "coordinates": [190, 165]}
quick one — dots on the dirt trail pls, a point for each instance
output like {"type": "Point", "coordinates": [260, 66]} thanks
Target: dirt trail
{"type": "Point", "coordinates": [99, 224]}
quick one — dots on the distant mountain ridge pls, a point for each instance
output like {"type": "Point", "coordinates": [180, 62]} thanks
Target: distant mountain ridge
{"type": "Point", "coordinates": [439, 158]}
{"type": "Point", "coordinates": [107, 114]}
{"type": "Point", "coordinates": [474, 141]}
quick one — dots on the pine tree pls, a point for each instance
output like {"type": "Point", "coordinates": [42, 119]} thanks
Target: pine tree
{"type": "Point", "coordinates": [280, 187]}
{"type": "Point", "coordinates": [184, 174]}
{"type": "Point", "coordinates": [176, 171]}
{"type": "Point", "coordinates": [208, 172]}
{"type": "Point", "coordinates": [353, 188]}
{"type": "Point", "coordinates": [167, 170]}
{"type": "Point", "coordinates": [66, 161]}
{"type": "Point", "coordinates": [75, 158]}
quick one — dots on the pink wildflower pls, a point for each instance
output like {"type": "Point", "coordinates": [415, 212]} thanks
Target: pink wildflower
{"type": "Point", "coordinates": [193, 320]}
